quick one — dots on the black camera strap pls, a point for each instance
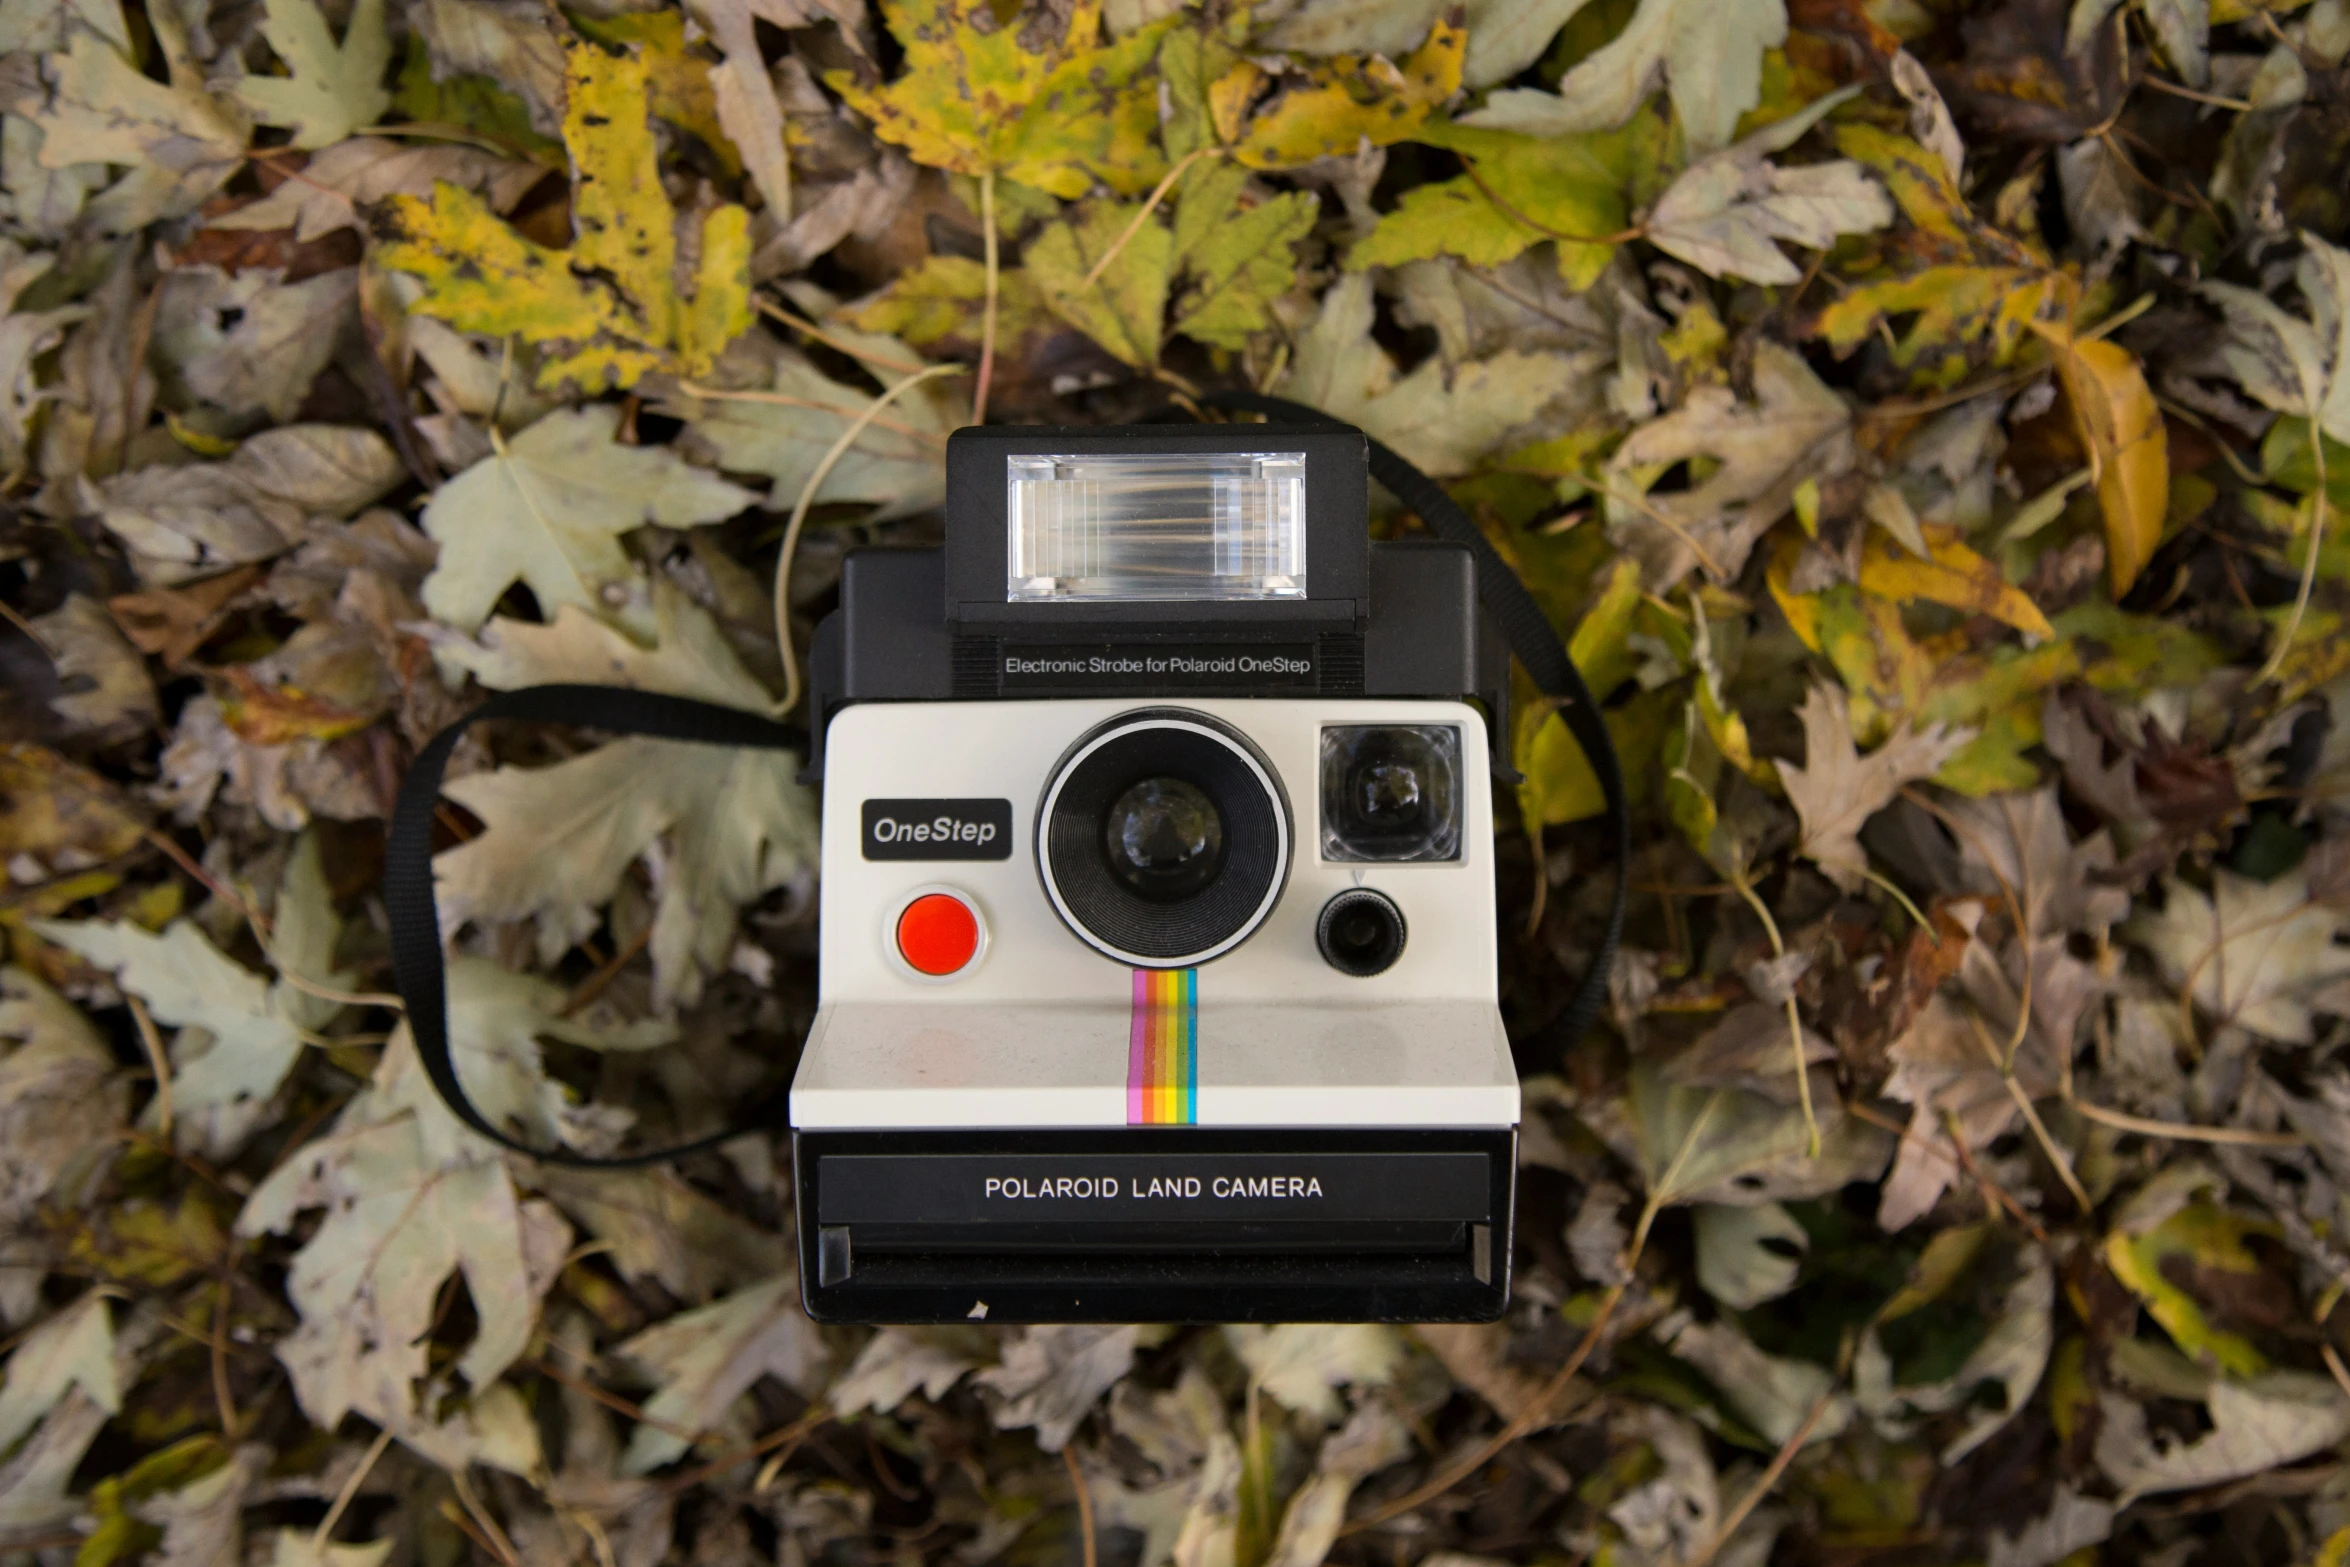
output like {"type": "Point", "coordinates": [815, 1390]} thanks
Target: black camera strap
{"type": "Point", "coordinates": [414, 914]}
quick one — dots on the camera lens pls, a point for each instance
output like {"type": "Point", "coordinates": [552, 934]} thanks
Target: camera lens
{"type": "Point", "coordinates": [1165, 839]}
{"type": "Point", "coordinates": [1361, 932]}
{"type": "Point", "coordinates": [1391, 792]}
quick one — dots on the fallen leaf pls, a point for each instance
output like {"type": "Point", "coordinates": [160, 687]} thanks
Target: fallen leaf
{"type": "Point", "coordinates": [1837, 790]}
{"type": "Point", "coordinates": [1051, 1376]}
{"type": "Point", "coordinates": [701, 1361]}
{"type": "Point", "coordinates": [785, 428]}
{"type": "Point", "coordinates": [74, 1348]}
{"type": "Point", "coordinates": [411, 1198]}
{"type": "Point", "coordinates": [1949, 574]}
{"type": "Point", "coordinates": [1506, 36]}
{"type": "Point", "coordinates": [610, 308]}
{"type": "Point", "coordinates": [182, 522]}
{"type": "Point", "coordinates": [281, 334]}
{"type": "Point", "coordinates": [56, 816]}
{"type": "Point", "coordinates": [240, 1034]}
{"type": "Point", "coordinates": [1304, 1366]}
{"type": "Point", "coordinates": [1746, 1256]}
{"type": "Point", "coordinates": [1709, 57]}
{"type": "Point", "coordinates": [2128, 443]}
{"type": "Point", "coordinates": [1442, 423]}
{"type": "Point", "coordinates": [1795, 428]}
{"type": "Point", "coordinates": [2260, 955]}
{"type": "Point", "coordinates": [330, 89]}
{"type": "Point", "coordinates": [1773, 1394]}
{"type": "Point", "coordinates": [658, 1227]}
{"type": "Point", "coordinates": [102, 682]}
{"type": "Point", "coordinates": [339, 183]}
{"type": "Point", "coordinates": [893, 1364]}
{"type": "Point", "coordinates": [548, 512]}
{"type": "Point", "coordinates": [1727, 211]}
{"type": "Point", "coordinates": [2285, 362]}
{"type": "Point", "coordinates": [1332, 107]}
{"type": "Point", "coordinates": [179, 143]}
{"type": "Point", "coordinates": [2258, 1425]}
{"type": "Point", "coordinates": [977, 98]}
{"type": "Point", "coordinates": [1237, 256]}
{"type": "Point", "coordinates": [1124, 309]}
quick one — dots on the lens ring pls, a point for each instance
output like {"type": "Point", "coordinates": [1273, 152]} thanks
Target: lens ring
{"type": "Point", "coordinates": [1360, 932]}
{"type": "Point", "coordinates": [1074, 862]}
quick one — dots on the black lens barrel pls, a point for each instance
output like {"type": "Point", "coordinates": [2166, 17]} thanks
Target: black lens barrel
{"type": "Point", "coordinates": [1360, 932]}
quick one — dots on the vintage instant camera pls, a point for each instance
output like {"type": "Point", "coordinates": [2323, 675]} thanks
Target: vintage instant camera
{"type": "Point", "coordinates": [1158, 966]}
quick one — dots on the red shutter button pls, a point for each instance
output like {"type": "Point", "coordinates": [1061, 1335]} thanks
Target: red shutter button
{"type": "Point", "coordinates": [938, 934]}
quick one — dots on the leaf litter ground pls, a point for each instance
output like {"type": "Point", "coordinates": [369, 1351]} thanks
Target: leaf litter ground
{"type": "Point", "coordinates": [1930, 426]}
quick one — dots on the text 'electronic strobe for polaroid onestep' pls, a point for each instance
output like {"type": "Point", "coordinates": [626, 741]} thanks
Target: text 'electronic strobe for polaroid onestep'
{"type": "Point", "coordinates": [1157, 972]}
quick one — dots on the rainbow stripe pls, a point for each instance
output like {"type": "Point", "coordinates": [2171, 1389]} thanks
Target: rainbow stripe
{"type": "Point", "coordinates": [1162, 1052]}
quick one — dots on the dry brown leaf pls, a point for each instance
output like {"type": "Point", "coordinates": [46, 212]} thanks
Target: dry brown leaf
{"type": "Point", "coordinates": [1837, 789]}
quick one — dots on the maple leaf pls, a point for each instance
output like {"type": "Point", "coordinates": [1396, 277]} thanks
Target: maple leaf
{"type": "Point", "coordinates": [548, 512]}
{"type": "Point", "coordinates": [609, 306]}
{"type": "Point", "coordinates": [1238, 255]}
{"type": "Point", "coordinates": [785, 428]}
{"type": "Point", "coordinates": [179, 143]}
{"type": "Point", "coordinates": [1794, 429]}
{"type": "Point", "coordinates": [1442, 418]}
{"type": "Point", "coordinates": [977, 98]}
{"type": "Point", "coordinates": [2260, 955]}
{"type": "Point", "coordinates": [1576, 190]}
{"type": "Point", "coordinates": [2292, 365]}
{"type": "Point", "coordinates": [703, 1360]}
{"type": "Point", "coordinates": [1837, 790]}
{"type": "Point", "coordinates": [1727, 211]}
{"type": "Point", "coordinates": [1971, 288]}
{"type": "Point", "coordinates": [1333, 107]}
{"type": "Point", "coordinates": [331, 89]}
{"type": "Point", "coordinates": [1124, 308]}
{"type": "Point", "coordinates": [240, 1034]}
{"type": "Point", "coordinates": [557, 840]}
{"type": "Point", "coordinates": [1709, 55]}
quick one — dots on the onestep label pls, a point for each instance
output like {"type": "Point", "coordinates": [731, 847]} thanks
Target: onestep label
{"type": "Point", "coordinates": [938, 829]}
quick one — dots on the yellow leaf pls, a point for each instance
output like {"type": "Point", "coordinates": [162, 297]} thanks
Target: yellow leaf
{"type": "Point", "coordinates": [608, 308]}
{"type": "Point", "coordinates": [977, 99]}
{"type": "Point", "coordinates": [2204, 1237]}
{"type": "Point", "coordinates": [1124, 309]}
{"type": "Point", "coordinates": [1342, 102]}
{"type": "Point", "coordinates": [2129, 447]}
{"type": "Point", "coordinates": [1560, 785]}
{"type": "Point", "coordinates": [677, 80]}
{"type": "Point", "coordinates": [1953, 575]}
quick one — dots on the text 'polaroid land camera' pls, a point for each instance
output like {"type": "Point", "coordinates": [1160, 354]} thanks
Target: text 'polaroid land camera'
{"type": "Point", "coordinates": [1158, 958]}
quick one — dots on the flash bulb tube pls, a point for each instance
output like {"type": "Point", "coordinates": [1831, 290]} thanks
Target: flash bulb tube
{"type": "Point", "coordinates": [1141, 526]}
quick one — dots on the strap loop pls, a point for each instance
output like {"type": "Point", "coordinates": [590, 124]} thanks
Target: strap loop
{"type": "Point", "coordinates": [415, 915]}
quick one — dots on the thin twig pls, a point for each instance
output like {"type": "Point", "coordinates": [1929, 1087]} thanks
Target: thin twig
{"type": "Point", "coordinates": [2239, 105]}
{"type": "Point", "coordinates": [1770, 1476]}
{"type": "Point", "coordinates": [596, 984]}
{"type": "Point", "coordinates": [222, 1395]}
{"type": "Point", "coordinates": [1150, 204]}
{"type": "Point", "coordinates": [987, 316]}
{"type": "Point", "coordinates": [801, 324]}
{"type": "Point", "coordinates": [2031, 1114]}
{"type": "Point", "coordinates": [1994, 1194]}
{"type": "Point", "coordinates": [718, 394]}
{"type": "Point", "coordinates": [500, 1546]}
{"type": "Point", "coordinates": [2317, 536]}
{"type": "Point", "coordinates": [210, 883]}
{"type": "Point", "coordinates": [158, 1059]}
{"type": "Point", "coordinates": [1811, 1125]}
{"type": "Point", "coordinates": [1084, 1504]}
{"type": "Point", "coordinates": [2185, 1132]}
{"type": "Point", "coordinates": [2334, 1365]}
{"type": "Point", "coordinates": [799, 514]}
{"type": "Point", "coordinates": [787, 1438]}
{"type": "Point", "coordinates": [350, 1488]}
{"type": "Point", "coordinates": [349, 998]}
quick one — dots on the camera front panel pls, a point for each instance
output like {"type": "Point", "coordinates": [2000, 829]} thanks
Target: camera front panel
{"type": "Point", "coordinates": [971, 778]}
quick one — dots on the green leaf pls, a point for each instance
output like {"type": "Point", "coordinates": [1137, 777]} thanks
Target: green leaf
{"type": "Point", "coordinates": [1238, 258]}
{"type": "Point", "coordinates": [330, 89]}
{"type": "Point", "coordinates": [1124, 309]}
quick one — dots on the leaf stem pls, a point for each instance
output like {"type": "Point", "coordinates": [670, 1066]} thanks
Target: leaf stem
{"type": "Point", "coordinates": [350, 1488]}
{"type": "Point", "coordinates": [2317, 534]}
{"type": "Point", "coordinates": [1150, 204]}
{"type": "Point", "coordinates": [799, 511]}
{"type": "Point", "coordinates": [1621, 236]}
{"type": "Point", "coordinates": [987, 316]}
{"type": "Point", "coordinates": [1811, 1125]}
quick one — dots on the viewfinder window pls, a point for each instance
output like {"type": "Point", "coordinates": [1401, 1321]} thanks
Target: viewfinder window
{"type": "Point", "coordinates": [1118, 526]}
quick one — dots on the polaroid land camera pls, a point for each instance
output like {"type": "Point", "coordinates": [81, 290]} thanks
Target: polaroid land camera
{"type": "Point", "coordinates": [1158, 963]}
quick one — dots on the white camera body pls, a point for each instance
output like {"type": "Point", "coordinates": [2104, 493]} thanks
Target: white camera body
{"type": "Point", "coordinates": [1158, 956]}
